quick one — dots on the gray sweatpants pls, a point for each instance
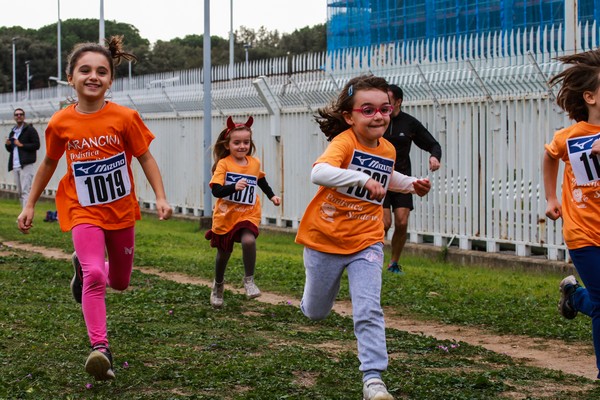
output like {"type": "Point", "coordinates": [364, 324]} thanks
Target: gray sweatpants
{"type": "Point", "coordinates": [323, 274]}
{"type": "Point", "coordinates": [23, 180]}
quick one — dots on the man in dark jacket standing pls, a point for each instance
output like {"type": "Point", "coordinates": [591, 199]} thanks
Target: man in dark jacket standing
{"type": "Point", "coordinates": [22, 143]}
{"type": "Point", "coordinates": [404, 130]}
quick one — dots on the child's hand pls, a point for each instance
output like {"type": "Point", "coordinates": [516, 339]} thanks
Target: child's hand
{"type": "Point", "coordinates": [376, 189]}
{"type": "Point", "coordinates": [596, 147]}
{"type": "Point", "coordinates": [25, 220]}
{"type": "Point", "coordinates": [434, 163]}
{"type": "Point", "coordinates": [164, 209]}
{"type": "Point", "coordinates": [422, 186]}
{"type": "Point", "coordinates": [241, 184]}
{"type": "Point", "coordinates": [553, 209]}
{"type": "Point", "coordinates": [276, 200]}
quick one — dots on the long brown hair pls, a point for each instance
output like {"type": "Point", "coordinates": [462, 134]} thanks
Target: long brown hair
{"type": "Point", "coordinates": [331, 118]}
{"type": "Point", "coordinates": [220, 150]}
{"type": "Point", "coordinates": [582, 76]}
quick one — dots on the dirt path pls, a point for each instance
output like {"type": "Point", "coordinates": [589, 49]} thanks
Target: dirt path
{"type": "Point", "coordinates": [552, 354]}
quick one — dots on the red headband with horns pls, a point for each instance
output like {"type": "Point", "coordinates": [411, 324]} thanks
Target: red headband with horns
{"type": "Point", "coordinates": [232, 125]}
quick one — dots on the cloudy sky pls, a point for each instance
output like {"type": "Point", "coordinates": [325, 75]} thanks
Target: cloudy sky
{"type": "Point", "coordinates": [165, 20]}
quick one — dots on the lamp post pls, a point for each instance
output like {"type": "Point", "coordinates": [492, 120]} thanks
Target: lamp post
{"type": "Point", "coordinates": [246, 47]}
{"type": "Point", "coordinates": [14, 71]}
{"type": "Point", "coordinates": [28, 76]}
{"type": "Point", "coordinates": [231, 39]}
{"type": "Point", "coordinates": [101, 40]}
{"type": "Point", "coordinates": [58, 50]}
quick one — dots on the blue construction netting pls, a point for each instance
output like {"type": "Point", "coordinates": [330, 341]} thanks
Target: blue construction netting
{"type": "Point", "coordinates": [358, 23]}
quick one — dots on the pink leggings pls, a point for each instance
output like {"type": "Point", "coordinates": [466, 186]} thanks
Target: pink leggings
{"type": "Point", "coordinates": [91, 242]}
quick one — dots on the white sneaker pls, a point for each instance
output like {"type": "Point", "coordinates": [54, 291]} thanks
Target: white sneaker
{"type": "Point", "coordinates": [216, 296]}
{"type": "Point", "coordinates": [374, 389]}
{"type": "Point", "coordinates": [252, 291]}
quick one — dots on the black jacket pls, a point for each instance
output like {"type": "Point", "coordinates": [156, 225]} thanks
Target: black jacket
{"type": "Point", "coordinates": [405, 129]}
{"type": "Point", "coordinates": [31, 144]}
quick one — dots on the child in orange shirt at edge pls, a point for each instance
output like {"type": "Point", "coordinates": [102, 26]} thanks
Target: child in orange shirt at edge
{"type": "Point", "coordinates": [236, 214]}
{"type": "Point", "coordinates": [96, 199]}
{"type": "Point", "coordinates": [578, 147]}
{"type": "Point", "coordinates": [342, 227]}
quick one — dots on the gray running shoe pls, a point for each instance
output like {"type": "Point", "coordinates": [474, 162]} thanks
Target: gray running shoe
{"type": "Point", "coordinates": [567, 287]}
{"type": "Point", "coordinates": [252, 291]}
{"type": "Point", "coordinates": [216, 296]}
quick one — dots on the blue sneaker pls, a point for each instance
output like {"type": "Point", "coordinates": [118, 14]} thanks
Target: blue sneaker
{"type": "Point", "coordinates": [567, 287]}
{"type": "Point", "coordinates": [395, 268]}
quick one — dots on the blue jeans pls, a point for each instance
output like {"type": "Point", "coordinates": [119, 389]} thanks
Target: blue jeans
{"type": "Point", "coordinates": [587, 300]}
{"type": "Point", "coordinates": [323, 274]}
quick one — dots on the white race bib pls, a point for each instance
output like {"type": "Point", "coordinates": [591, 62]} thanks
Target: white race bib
{"type": "Point", "coordinates": [246, 196]}
{"type": "Point", "coordinates": [586, 166]}
{"type": "Point", "coordinates": [376, 167]}
{"type": "Point", "coordinates": [101, 181]}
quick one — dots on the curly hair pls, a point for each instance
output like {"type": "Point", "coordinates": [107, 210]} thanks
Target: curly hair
{"type": "Point", "coordinates": [331, 118]}
{"type": "Point", "coordinates": [582, 76]}
{"type": "Point", "coordinates": [113, 52]}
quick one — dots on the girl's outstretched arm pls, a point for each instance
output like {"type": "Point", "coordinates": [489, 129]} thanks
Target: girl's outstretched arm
{"type": "Point", "coordinates": [152, 173]}
{"type": "Point", "coordinates": [550, 172]}
{"type": "Point", "coordinates": [41, 179]}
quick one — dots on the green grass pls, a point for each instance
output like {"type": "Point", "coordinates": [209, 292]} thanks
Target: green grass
{"type": "Point", "coordinates": [177, 347]}
{"type": "Point", "coordinates": [504, 301]}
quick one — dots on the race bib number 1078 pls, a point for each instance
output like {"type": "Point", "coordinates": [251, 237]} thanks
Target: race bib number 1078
{"type": "Point", "coordinates": [246, 196]}
{"type": "Point", "coordinates": [586, 166]}
{"type": "Point", "coordinates": [101, 181]}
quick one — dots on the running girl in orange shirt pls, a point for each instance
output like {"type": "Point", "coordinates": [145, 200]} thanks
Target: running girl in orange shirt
{"type": "Point", "coordinates": [96, 198]}
{"type": "Point", "coordinates": [236, 215]}
{"type": "Point", "coordinates": [578, 147]}
{"type": "Point", "coordinates": [342, 227]}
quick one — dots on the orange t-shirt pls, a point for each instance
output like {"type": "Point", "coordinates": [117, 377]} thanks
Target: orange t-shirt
{"type": "Point", "coordinates": [242, 205]}
{"type": "Point", "coordinates": [581, 183]}
{"type": "Point", "coordinates": [98, 187]}
{"type": "Point", "coordinates": [345, 220]}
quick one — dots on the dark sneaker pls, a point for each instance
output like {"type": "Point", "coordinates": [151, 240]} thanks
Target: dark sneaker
{"type": "Point", "coordinates": [77, 281]}
{"type": "Point", "coordinates": [99, 363]}
{"type": "Point", "coordinates": [49, 216]}
{"type": "Point", "coordinates": [567, 287]}
{"type": "Point", "coordinates": [395, 268]}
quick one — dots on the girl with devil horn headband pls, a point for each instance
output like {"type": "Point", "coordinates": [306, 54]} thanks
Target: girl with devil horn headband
{"type": "Point", "coordinates": [236, 214]}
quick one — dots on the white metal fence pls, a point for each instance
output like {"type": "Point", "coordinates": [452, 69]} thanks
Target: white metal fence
{"type": "Point", "coordinates": [492, 116]}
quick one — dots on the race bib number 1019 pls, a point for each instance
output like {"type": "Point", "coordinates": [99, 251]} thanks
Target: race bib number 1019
{"type": "Point", "coordinates": [101, 181]}
{"type": "Point", "coordinates": [586, 166]}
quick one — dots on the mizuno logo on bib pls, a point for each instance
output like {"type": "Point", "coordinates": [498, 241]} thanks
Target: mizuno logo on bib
{"type": "Point", "coordinates": [101, 181]}
{"type": "Point", "coordinates": [376, 167]}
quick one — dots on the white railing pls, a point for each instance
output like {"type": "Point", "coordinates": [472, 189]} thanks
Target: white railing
{"type": "Point", "coordinates": [492, 115]}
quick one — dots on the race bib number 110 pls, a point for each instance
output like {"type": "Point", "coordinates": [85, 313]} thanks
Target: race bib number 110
{"type": "Point", "coordinates": [586, 166]}
{"type": "Point", "coordinates": [101, 181]}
